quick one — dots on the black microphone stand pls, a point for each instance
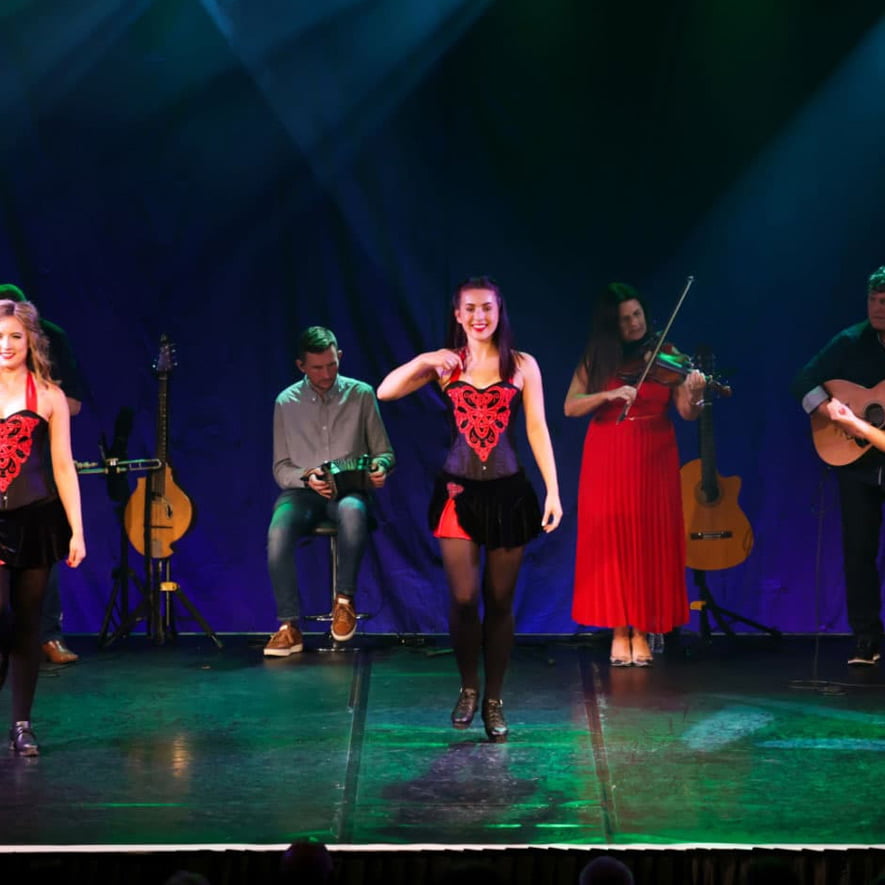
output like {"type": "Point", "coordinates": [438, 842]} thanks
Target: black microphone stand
{"type": "Point", "coordinates": [117, 610]}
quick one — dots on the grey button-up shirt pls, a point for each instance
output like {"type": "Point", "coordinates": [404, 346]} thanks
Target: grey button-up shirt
{"type": "Point", "coordinates": [310, 428]}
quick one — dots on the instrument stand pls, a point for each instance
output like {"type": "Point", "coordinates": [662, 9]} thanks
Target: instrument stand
{"type": "Point", "coordinates": [157, 606]}
{"type": "Point", "coordinates": [118, 606]}
{"type": "Point", "coordinates": [158, 590]}
{"type": "Point", "coordinates": [707, 606]}
{"type": "Point", "coordinates": [114, 468]}
{"type": "Point", "coordinates": [161, 602]}
{"type": "Point", "coordinates": [161, 589]}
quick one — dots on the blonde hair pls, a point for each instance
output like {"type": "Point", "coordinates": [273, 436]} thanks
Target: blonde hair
{"type": "Point", "coordinates": [38, 345]}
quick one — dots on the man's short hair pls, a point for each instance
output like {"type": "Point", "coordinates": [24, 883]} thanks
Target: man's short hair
{"type": "Point", "coordinates": [10, 292]}
{"type": "Point", "coordinates": [877, 280]}
{"type": "Point", "coordinates": [316, 339]}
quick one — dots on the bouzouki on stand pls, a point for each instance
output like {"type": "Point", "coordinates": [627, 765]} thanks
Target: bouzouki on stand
{"type": "Point", "coordinates": [718, 533]}
{"type": "Point", "coordinates": [157, 515]}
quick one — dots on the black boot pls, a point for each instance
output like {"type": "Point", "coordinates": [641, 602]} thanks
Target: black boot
{"type": "Point", "coordinates": [22, 740]}
{"type": "Point", "coordinates": [493, 718]}
{"type": "Point", "coordinates": [465, 708]}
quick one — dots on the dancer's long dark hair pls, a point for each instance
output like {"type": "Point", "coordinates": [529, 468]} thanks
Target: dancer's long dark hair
{"type": "Point", "coordinates": [605, 351]}
{"type": "Point", "coordinates": [502, 337]}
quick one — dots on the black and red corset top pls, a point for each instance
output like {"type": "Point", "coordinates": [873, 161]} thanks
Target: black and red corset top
{"type": "Point", "coordinates": [483, 422]}
{"type": "Point", "coordinates": [24, 453]}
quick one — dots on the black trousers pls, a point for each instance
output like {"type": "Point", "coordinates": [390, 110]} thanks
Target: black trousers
{"type": "Point", "coordinates": [861, 505]}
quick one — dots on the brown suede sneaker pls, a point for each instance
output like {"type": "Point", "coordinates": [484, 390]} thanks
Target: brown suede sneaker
{"type": "Point", "coordinates": [286, 641]}
{"type": "Point", "coordinates": [343, 619]}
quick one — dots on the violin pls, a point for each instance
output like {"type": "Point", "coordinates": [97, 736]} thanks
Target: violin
{"type": "Point", "coordinates": [668, 367]}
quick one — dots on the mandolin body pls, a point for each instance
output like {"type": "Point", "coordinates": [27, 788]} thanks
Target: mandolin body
{"type": "Point", "coordinates": [156, 528]}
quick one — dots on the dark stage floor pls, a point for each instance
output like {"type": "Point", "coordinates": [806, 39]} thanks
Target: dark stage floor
{"type": "Point", "coordinates": [753, 741]}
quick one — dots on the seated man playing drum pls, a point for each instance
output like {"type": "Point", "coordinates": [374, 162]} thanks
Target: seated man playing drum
{"type": "Point", "coordinates": [322, 423]}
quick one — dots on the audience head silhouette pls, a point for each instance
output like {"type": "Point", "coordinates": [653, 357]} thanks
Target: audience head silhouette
{"type": "Point", "coordinates": [306, 863]}
{"type": "Point", "coordinates": [606, 870]}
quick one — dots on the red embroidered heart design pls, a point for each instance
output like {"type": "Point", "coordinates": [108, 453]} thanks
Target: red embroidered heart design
{"type": "Point", "coordinates": [481, 416]}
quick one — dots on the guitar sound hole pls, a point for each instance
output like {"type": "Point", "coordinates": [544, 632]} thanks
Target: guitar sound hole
{"type": "Point", "coordinates": [875, 414]}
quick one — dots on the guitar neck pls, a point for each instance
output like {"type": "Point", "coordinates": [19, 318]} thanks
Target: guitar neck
{"type": "Point", "coordinates": [707, 447]}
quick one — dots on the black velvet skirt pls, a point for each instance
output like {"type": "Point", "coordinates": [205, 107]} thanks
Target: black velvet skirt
{"type": "Point", "coordinates": [496, 512]}
{"type": "Point", "coordinates": [35, 535]}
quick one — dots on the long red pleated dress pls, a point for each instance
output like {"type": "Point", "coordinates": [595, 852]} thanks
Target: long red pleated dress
{"type": "Point", "coordinates": [630, 560]}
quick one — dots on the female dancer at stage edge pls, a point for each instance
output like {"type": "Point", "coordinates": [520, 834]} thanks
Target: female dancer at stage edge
{"type": "Point", "coordinates": [630, 559]}
{"type": "Point", "coordinates": [482, 497]}
{"type": "Point", "coordinates": [38, 526]}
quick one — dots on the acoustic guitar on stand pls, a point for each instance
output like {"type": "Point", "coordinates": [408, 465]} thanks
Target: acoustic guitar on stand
{"type": "Point", "coordinates": [158, 512]}
{"type": "Point", "coordinates": [834, 444]}
{"type": "Point", "coordinates": [718, 533]}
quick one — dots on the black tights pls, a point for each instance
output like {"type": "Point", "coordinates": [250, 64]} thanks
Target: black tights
{"type": "Point", "coordinates": [21, 603]}
{"type": "Point", "coordinates": [494, 634]}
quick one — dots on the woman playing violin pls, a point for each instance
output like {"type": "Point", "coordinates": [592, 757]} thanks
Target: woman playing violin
{"type": "Point", "coordinates": [630, 559]}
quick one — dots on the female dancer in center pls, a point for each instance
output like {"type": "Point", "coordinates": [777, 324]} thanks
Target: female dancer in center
{"type": "Point", "coordinates": [482, 497]}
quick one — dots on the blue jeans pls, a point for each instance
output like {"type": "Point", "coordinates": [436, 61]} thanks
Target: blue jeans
{"type": "Point", "coordinates": [295, 514]}
{"type": "Point", "coordinates": [50, 621]}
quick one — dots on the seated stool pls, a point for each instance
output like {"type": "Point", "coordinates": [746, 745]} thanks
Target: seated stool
{"type": "Point", "coordinates": [328, 529]}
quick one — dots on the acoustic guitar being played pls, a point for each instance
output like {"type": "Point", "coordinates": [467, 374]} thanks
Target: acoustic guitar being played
{"type": "Point", "coordinates": [836, 445]}
{"type": "Point", "coordinates": [718, 533]}
{"type": "Point", "coordinates": [158, 512]}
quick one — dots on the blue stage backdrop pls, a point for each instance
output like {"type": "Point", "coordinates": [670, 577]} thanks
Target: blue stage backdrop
{"type": "Point", "coordinates": [227, 172]}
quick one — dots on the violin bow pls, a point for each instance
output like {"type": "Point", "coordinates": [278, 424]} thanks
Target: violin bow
{"type": "Point", "coordinates": [661, 338]}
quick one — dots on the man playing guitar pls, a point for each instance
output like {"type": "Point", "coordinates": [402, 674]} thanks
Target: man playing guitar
{"type": "Point", "coordinates": [856, 355]}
